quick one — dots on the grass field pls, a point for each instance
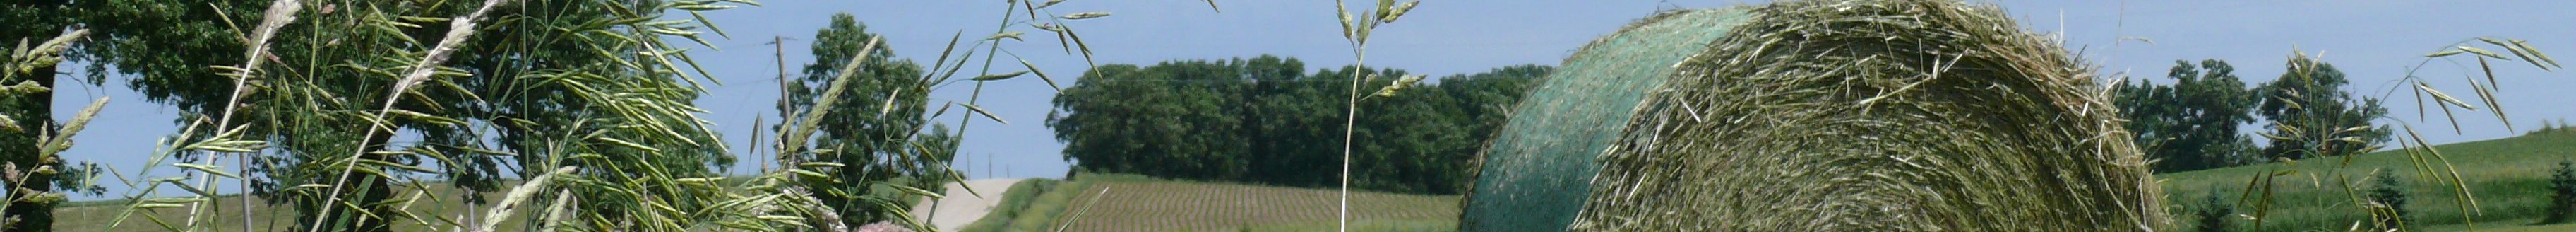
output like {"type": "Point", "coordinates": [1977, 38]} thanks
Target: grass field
{"type": "Point", "coordinates": [2508, 178]}
{"type": "Point", "coordinates": [2507, 175]}
{"type": "Point", "coordinates": [1112, 202]}
{"type": "Point", "coordinates": [96, 215]}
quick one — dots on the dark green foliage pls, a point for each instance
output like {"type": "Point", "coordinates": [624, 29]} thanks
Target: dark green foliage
{"type": "Point", "coordinates": [26, 24]}
{"type": "Point", "coordinates": [2313, 116]}
{"type": "Point", "coordinates": [2389, 195]}
{"type": "Point", "coordinates": [1263, 120]}
{"type": "Point", "coordinates": [2192, 123]}
{"type": "Point", "coordinates": [2547, 127]}
{"type": "Point", "coordinates": [2562, 193]}
{"type": "Point", "coordinates": [871, 132]}
{"type": "Point", "coordinates": [2214, 214]}
{"type": "Point", "coordinates": [543, 85]}
{"type": "Point", "coordinates": [1172, 120]}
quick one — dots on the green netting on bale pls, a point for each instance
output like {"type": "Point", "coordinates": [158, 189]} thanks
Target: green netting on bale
{"type": "Point", "coordinates": [1536, 172]}
{"type": "Point", "coordinates": [1876, 115]}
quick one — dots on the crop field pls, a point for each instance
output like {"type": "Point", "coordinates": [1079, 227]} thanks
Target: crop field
{"type": "Point", "coordinates": [1110, 202]}
{"type": "Point", "coordinates": [2508, 177]}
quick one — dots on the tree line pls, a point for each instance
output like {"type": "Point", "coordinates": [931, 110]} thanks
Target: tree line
{"type": "Point", "coordinates": [2196, 120]}
{"type": "Point", "coordinates": [1266, 120]}
{"type": "Point", "coordinates": [597, 95]}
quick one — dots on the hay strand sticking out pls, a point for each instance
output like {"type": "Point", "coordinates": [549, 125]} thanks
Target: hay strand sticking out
{"type": "Point", "coordinates": [1536, 172]}
{"type": "Point", "coordinates": [1875, 115]}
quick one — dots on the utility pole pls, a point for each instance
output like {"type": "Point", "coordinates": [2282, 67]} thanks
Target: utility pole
{"type": "Point", "coordinates": [786, 112]}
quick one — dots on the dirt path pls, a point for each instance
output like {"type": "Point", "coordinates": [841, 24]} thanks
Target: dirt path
{"type": "Point", "coordinates": [961, 208]}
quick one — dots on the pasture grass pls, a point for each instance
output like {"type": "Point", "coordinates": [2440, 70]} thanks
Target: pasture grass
{"type": "Point", "coordinates": [2508, 177]}
{"type": "Point", "coordinates": [97, 215]}
{"type": "Point", "coordinates": [1015, 201]}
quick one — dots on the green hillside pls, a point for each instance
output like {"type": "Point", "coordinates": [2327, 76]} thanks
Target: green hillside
{"type": "Point", "coordinates": [1116, 202]}
{"type": "Point", "coordinates": [2508, 178]}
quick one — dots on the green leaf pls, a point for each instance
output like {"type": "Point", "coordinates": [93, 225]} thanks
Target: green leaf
{"type": "Point", "coordinates": [2535, 53]}
{"type": "Point", "coordinates": [1084, 15]}
{"type": "Point", "coordinates": [840, 83]}
{"type": "Point", "coordinates": [23, 87]}
{"type": "Point", "coordinates": [987, 114]}
{"type": "Point", "coordinates": [1047, 27]}
{"type": "Point", "coordinates": [2482, 52]}
{"type": "Point", "coordinates": [2443, 53]}
{"type": "Point", "coordinates": [2517, 52]}
{"type": "Point", "coordinates": [711, 25]}
{"type": "Point", "coordinates": [943, 56]}
{"type": "Point", "coordinates": [1398, 12]}
{"type": "Point", "coordinates": [620, 142]}
{"type": "Point", "coordinates": [1033, 68]}
{"type": "Point", "coordinates": [914, 191]}
{"type": "Point", "coordinates": [1001, 76]}
{"type": "Point", "coordinates": [1014, 35]}
{"type": "Point", "coordinates": [669, 31]}
{"type": "Point", "coordinates": [62, 137]}
{"type": "Point", "coordinates": [225, 145]}
{"type": "Point", "coordinates": [209, 169]}
{"type": "Point", "coordinates": [703, 7]}
{"type": "Point", "coordinates": [434, 119]}
{"type": "Point", "coordinates": [810, 174]}
{"type": "Point", "coordinates": [2445, 98]}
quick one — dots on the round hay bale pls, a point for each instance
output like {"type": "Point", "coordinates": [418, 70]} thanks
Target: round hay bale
{"type": "Point", "coordinates": [1876, 115]}
{"type": "Point", "coordinates": [1538, 168]}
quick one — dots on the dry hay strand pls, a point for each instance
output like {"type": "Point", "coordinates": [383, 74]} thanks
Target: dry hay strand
{"type": "Point", "coordinates": [1538, 169]}
{"type": "Point", "coordinates": [1876, 115]}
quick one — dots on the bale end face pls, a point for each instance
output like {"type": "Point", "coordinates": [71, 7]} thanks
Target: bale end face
{"type": "Point", "coordinates": [1876, 115]}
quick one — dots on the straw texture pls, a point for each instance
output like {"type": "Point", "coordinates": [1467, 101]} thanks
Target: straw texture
{"type": "Point", "coordinates": [1875, 115]}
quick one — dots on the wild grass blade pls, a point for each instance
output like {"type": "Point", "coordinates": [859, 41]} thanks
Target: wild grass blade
{"type": "Point", "coordinates": [519, 195]}
{"type": "Point", "coordinates": [805, 128]}
{"type": "Point", "coordinates": [1033, 69]}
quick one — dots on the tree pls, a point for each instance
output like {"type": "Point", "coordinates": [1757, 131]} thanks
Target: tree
{"type": "Point", "coordinates": [542, 85]}
{"type": "Point", "coordinates": [1290, 120]}
{"type": "Point", "coordinates": [2562, 193]}
{"type": "Point", "coordinates": [2312, 116]}
{"type": "Point", "coordinates": [1261, 120]}
{"type": "Point", "coordinates": [137, 36]}
{"type": "Point", "coordinates": [2192, 124]}
{"type": "Point", "coordinates": [1168, 120]}
{"type": "Point", "coordinates": [29, 115]}
{"type": "Point", "coordinates": [873, 131]}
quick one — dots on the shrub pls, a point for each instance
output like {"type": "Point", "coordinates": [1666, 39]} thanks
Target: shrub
{"type": "Point", "coordinates": [2562, 189]}
{"type": "Point", "coordinates": [2389, 196]}
{"type": "Point", "coordinates": [2213, 213]}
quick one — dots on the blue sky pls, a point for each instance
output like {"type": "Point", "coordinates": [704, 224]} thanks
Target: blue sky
{"type": "Point", "coordinates": [2372, 41]}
